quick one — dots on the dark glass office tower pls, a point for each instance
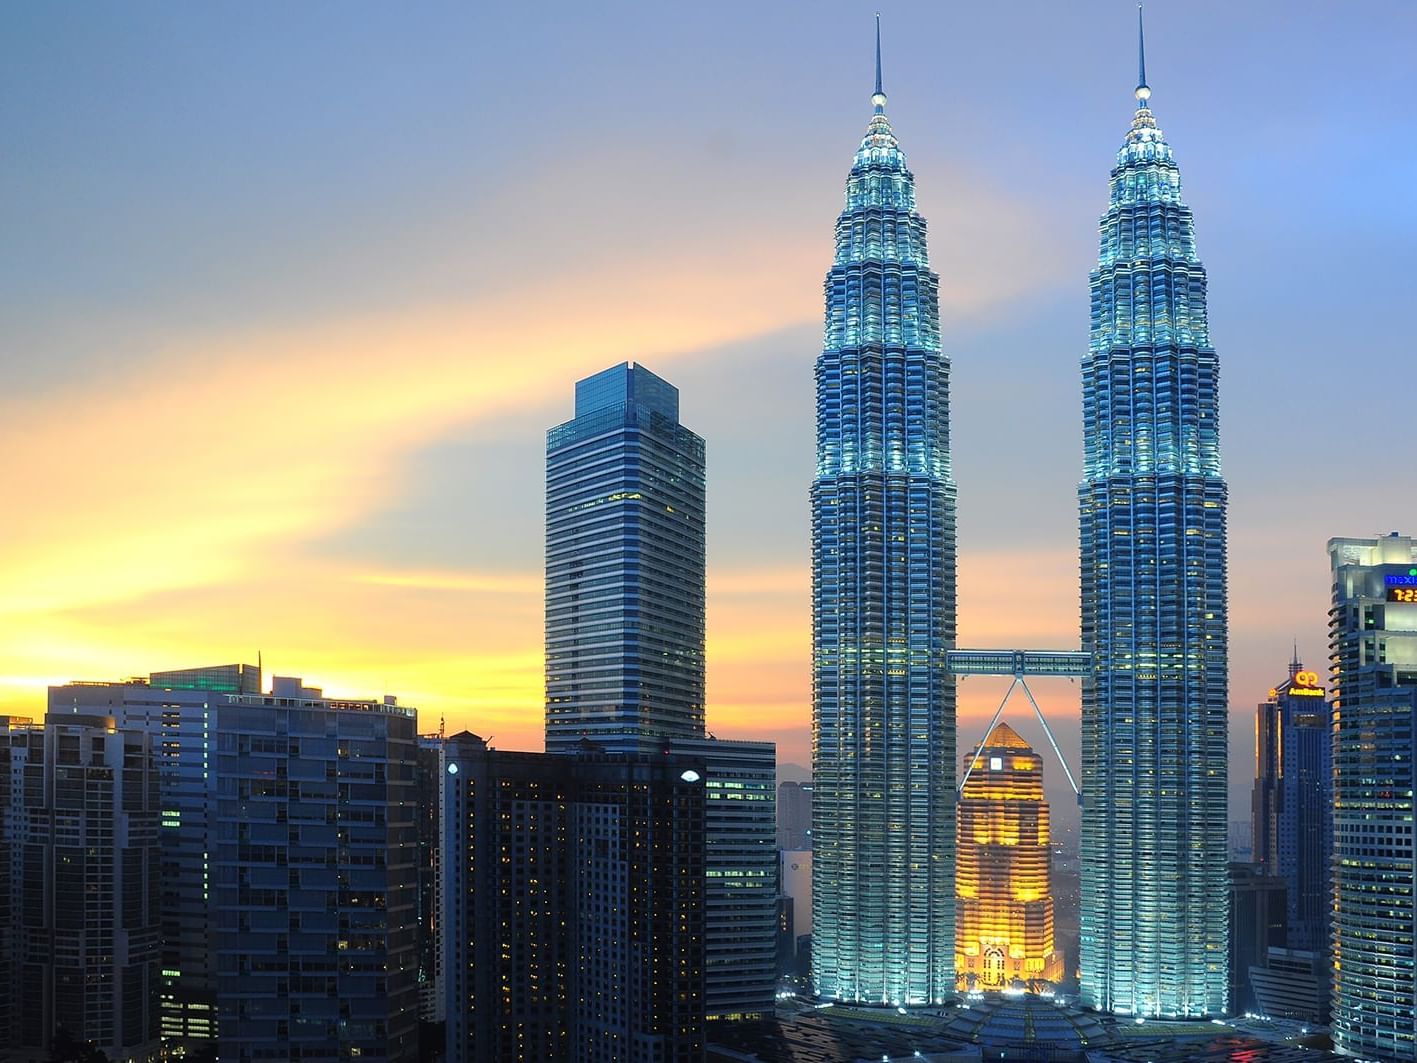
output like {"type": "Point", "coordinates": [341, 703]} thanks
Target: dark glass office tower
{"type": "Point", "coordinates": [883, 603]}
{"type": "Point", "coordinates": [624, 564]}
{"type": "Point", "coordinates": [1293, 803]}
{"type": "Point", "coordinates": [1152, 515]}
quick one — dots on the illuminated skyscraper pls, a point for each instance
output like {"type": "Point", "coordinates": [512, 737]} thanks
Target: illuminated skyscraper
{"type": "Point", "coordinates": [1293, 803]}
{"type": "Point", "coordinates": [1152, 520]}
{"type": "Point", "coordinates": [1372, 631]}
{"type": "Point", "coordinates": [883, 602]}
{"type": "Point", "coordinates": [1003, 901]}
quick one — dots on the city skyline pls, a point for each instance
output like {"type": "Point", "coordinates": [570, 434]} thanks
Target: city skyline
{"type": "Point", "coordinates": [196, 478]}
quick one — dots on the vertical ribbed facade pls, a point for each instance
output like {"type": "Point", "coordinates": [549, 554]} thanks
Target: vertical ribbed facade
{"type": "Point", "coordinates": [883, 604]}
{"type": "Point", "coordinates": [1152, 519]}
{"type": "Point", "coordinates": [1373, 661]}
{"type": "Point", "coordinates": [624, 565]}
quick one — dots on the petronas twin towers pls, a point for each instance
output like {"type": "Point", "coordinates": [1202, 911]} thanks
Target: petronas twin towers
{"type": "Point", "coordinates": [1152, 519]}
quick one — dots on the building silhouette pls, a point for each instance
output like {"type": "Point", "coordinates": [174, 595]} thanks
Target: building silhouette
{"type": "Point", "coordinates": [1373, 667]}
{"type": "Point", "coordinates": [1003, 892]}
{"type": "Point", "coordinates": [1152, 519]}
{"type": "Point", "coordinates": [883, 602]}
{"type": "Point", "coordinates": [576, 905]}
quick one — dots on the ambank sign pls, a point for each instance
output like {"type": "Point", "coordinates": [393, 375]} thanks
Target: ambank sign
{"type": "Point", "coordinates": [1304, 685]}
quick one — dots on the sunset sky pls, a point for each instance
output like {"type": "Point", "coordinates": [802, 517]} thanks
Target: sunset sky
{"type": "Point", "coordinates": [289, 295]}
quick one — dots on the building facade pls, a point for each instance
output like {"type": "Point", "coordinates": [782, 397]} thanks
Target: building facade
{"type": "Point", "coordinates": [178, 710]}
{"type": "Point", "coordinates": [430, 887]}
{"type": "Point", "coordinates": [794, 815]}
{"type": "Point", "coordinates": [314, 878]}
{"type": "Point", "coordinates": [1258, 922]}
{"type": "Point", "coordinates": [740, 893]}
{"type": "Point", "coordinates": [1373, 668]}
{"type": "Point", "coordinates": [624, 565]}
{"type": "Point", "coordinates": [575, 929]}
{"type": "Point", "coordinates": [1003, 891]}
{"type": "Point", "coordinates": [1153, 582]}
{"type": "Point", "coordinates": [625, 616]}
{"type": "Point", "coordinates": [883, 602]}
{"type": "Point", "coordinates": [84, 873]}
{"type": "Point", "coordinates": [1293, 802]}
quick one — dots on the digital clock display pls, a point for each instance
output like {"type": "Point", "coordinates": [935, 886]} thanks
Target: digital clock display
{"type": "Point", "coordinates": [1402, 594]}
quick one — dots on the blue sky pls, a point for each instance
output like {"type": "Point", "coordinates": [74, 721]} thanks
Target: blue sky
{"type": "Point", "coordinates": [291, 293]}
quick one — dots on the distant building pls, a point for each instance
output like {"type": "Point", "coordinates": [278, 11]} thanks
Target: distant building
{"type": "Point", "coordinates": [1293, 802]}
{"type": "Point", "coordinates": [314, 877]}
{"type": "Point", "coordinates": [575, 928]}
{"type": "Point", "coordinates": [12, 729]}
{"type": "Point", "coordinates": [1004, 856]}
{"type": "Point", "coordinates": [625, 543]}
{"type": "Point", "coordinates": [1373, 663]}
{"type": "Point", "coordinates": [178, 710]}
{"type": "Point", "coordinates": [794, 815]}
{"type": "Point", "coordinates": [1258, 917]}
{"type": "Point", "coordinates": [84, 873]}
{"type": "Point", "coordinates": [795, 871]}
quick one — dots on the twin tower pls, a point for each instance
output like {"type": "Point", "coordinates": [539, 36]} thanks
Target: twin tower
{"type": "Point", "coordinates": [1152, 527]}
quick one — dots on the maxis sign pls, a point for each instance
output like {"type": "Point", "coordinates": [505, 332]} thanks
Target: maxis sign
{"type": "Point", "coordinates": [1401, 579]}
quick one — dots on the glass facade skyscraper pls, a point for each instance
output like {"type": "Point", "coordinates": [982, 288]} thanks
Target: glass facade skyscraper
{"type": "Point", "coordinates": [624, 564]}
{"type": "Point", "coordinates": [1293, 802]}
{"type": "Point", "coordinates": [1373, 662]}
{"type": "Point", "coordinates": [883, 603]}
{"type": "Point", "coordinates": [1152, 520]}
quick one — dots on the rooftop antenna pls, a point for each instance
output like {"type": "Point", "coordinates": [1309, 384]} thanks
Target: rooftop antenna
{"type": "Point", "coordinates": [1143, 90]}
{"type": "Point", "coordinates": [879, 97]}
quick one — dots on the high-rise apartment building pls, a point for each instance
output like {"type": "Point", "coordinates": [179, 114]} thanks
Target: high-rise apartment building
{"type": "Point", "coordinates": [314, 877]}
{"type": "Point", "coordinates": [1373, 667]}
{"type": "Point", "coordinates": [624, 565]}
{"type": "Point", "coordinates": [625, 648]}
{"type": "Point", "coordinates": [429, 781]}
{"type": "Point", "coordinates": [1152, 519]}
{"type": "Point", "coordinates": [575, 924]}
{"type": "Point", "coordinates": [178, 710]}
{"type": "Point", "coordinates": [1293, 802]}
{"type": "Point", "coordinates": [12, 729]}
{"type": "Point", "coordinates": [883, 602]}
{"type": "Point", "coordinates": [1003, 893]}
{"type": "Point", "coordinates": [84, 872]}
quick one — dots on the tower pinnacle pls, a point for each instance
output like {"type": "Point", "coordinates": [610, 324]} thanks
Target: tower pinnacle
{"type": "Point", "coordinates": [1143, 90]}
{"type": "Point", "coordinates": [879, 97]}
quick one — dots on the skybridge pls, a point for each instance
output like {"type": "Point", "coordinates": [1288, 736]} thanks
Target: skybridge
{"type": "Point", "coordinates": [1020, 664]}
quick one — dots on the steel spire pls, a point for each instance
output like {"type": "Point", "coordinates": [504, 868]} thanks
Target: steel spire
{"type": "Point", "coordinates": [879, 97]}
{"type": "Point", "coordinates": [1143, 91]}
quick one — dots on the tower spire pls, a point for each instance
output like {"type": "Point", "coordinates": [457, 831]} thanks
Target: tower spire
{"type": "Point", "coordinates": [879, 97]}
{"type": "Point", "coordinates": [1143, 90]}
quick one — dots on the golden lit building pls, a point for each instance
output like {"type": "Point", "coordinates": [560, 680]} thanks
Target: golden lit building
{"type": "Point", "coordinates": [1004, 907]}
